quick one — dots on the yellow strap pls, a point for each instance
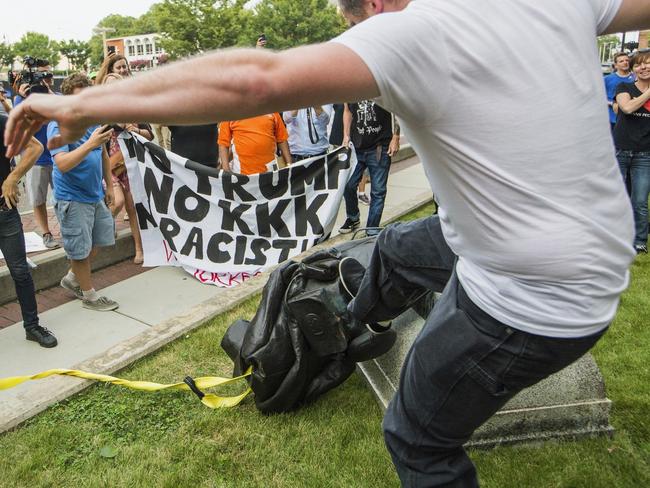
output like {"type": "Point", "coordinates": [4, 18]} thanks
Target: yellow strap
{"type": "Point", "coordinates": [209, 399]}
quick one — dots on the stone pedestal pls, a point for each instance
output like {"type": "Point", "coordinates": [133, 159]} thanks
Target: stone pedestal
{"type": "Point", "coordinates": [571, 403]}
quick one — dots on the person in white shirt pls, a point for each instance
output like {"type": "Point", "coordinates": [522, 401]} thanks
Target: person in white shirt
{"type": "Point", "coordinates": [515, 141]}
{"type": "Point", "coordinates": [307, 129]}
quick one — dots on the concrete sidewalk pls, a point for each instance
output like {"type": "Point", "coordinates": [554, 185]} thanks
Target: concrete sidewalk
{"type": "Point", "coordinates": [156, 307]}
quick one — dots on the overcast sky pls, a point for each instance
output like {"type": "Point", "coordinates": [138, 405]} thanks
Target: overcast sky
{"type": "Point", "coordinates": [64, 19]}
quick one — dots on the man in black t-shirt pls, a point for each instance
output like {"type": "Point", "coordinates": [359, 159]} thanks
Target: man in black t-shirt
{"type": "Point", "coordinates": [375, 136]}
{"type": "Point", "coordinates": [196, 142]}
{"type": "Point", "coordinates": [632, 141]}
{"type": "Point", "coordinates": [12, 239]}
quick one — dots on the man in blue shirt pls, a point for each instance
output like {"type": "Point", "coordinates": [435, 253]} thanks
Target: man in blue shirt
{"type": "Point", "coordinates": [81, 202]}
{"type": "Point", "coordinates": [620, 75]}
{"type": "Point", "coordinates": [307, 129]}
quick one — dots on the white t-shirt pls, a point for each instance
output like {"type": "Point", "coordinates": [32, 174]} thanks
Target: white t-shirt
{"type": "Point", "coordinates": [504, 102]}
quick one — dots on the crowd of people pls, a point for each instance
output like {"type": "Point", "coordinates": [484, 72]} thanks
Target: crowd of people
{"type": "Point", "coordinates": [90, 185]}
{"type": "Point", "coordinates": [628, 93]}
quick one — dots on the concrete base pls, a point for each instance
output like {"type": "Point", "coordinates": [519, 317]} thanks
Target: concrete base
{"type": "Point", "coordinates": [571, 403]}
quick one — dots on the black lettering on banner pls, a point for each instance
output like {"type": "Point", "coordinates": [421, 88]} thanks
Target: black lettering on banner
{"type": "Point", "coordinates": [234, 215]}
{"type": "Point", "coordinates": [214, 252]}
{"type": "Point", "coordinates": [334, 167]}
{"type": "Point", "coordinates": [305, 244]}
{"type": "Point", "coordinates": [303, 175]}
{"type": "Point", "coordinates": [139, 150]}
{"type": "Point", "coordinates": [231, 187]}
{"type": "Point", "coordinates": [240, 249]}
{"type": "Point", "coordinates": [144, 217]}
{"type": "Point", "coordinates": [286, 246]}
{"type": "Point", "coordinates": [130, 147]}
{"type": "Point", "coordinates": [203, 185]}
{"type": "Point", "coordinates": [266, 219]}
{"type": "Point", "coordinates": [161, 194]}
{"type": "Point", "coordinates": [169, 229]}
{"type": "Point", "coordinates": [309, 214]}
{"type": "Point", "coordinates": [268, 189]}
{"type": "Point", "coordinates": [198, 213]}
{"type": "Point", "coordinates": [159, 157]}
{"type": "Point", "coordinates": [194, 242]}
{"type": "Point", "coordinates": [258, 246]}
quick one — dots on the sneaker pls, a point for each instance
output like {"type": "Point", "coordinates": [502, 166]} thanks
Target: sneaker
{"type": "Point", "coordinates": [351, 273]}
{"type": "Point", "coordinates": [641, 248]}
{"type": "Point", "coordinates": [50, 242]}
{"type": "Point", "coordinates": [39, 334]}
{"type": "Point", "coordinates": [349, 225]}
{"type": "Point", "coordinates": [75, 289]}
{"type": "Point", "coordinates": [102, 304]}
{"type": "Point", "coordinates": [363, 198]}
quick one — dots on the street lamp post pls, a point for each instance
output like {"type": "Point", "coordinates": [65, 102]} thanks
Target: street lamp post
{"type": "Point", "coordinates": [103, 31]}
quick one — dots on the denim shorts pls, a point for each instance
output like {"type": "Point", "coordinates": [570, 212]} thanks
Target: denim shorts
{"type": "Point", "coordinates": [84, 226]}
{"type": "Point", "coordinates": [40, 180]}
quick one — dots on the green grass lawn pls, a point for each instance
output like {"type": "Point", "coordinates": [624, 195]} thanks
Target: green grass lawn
{"type": "Point", "coordinates": [107, 436]}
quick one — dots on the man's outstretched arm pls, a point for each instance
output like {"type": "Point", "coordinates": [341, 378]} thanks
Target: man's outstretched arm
{"type": "Point", "coordinates": [230, 85]}
{"type": "Point", "coordinates": [633, 15]}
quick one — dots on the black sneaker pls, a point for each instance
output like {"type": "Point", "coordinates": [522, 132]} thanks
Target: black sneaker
{"type": "Point", "coordinates": [41, 335]}
{"type": "Point", "coordinates": [351, 273]}
{"type": "Point", "coordinates": [349, 225]}
{"type": "Point", "coordinates": [641, 249]}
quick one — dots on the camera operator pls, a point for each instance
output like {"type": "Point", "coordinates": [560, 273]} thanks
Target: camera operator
{"type": "Point", "coordinates": [12, 239]}
{"type": "Point", "coordinates": [37, 78]}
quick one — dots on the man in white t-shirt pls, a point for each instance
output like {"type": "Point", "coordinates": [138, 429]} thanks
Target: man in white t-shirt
{"type": "Point", "coordinates": [515, 141]}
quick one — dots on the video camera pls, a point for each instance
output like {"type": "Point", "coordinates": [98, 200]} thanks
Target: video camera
{"type": "Point", "coordinates": [32, 75]}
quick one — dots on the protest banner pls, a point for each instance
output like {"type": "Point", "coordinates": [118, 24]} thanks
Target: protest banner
{"type": "Point", "coordinates": [222, 227]}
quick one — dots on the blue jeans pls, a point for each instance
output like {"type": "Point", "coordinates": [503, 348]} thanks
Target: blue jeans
{"type": "Point", "coordinates": [463, 366]}
{"type": "Point", "coordinates": [377, 161]}
{"type": "Point", "coordinates": [12, 245]}
{"type": "Point", "coordinates": [635, 168]}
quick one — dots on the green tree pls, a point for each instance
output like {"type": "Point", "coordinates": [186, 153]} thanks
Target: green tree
{"type": "Point", "coordinates": [192, 26]}
{"type": "Point", "coordinates": [607, 45]}
{"type": "Point", "coordinates": [77, 53]}
{"type": "Point", "coordinates": [287, 23]}
{"type": "Point", "coordinates": [7, 55]}
{"type": "Point", "coordinates": [39, 46]}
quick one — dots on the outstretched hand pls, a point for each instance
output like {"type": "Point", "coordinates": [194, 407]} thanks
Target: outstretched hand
{"type": "Point", "coordinates": [25, 120]}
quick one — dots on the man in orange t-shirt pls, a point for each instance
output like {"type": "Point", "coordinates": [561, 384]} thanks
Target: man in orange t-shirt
{"type": "Point", "coordinates": [254, 142]}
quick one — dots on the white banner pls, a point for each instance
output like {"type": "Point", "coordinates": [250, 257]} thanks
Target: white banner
{"type": "Point", "coordinates": [222, 227]}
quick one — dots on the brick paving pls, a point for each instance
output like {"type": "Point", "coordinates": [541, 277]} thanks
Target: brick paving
{"type": "Point", "coordinates": [29, 225]}
{"type": "Point", "coordinates": [55, 296]}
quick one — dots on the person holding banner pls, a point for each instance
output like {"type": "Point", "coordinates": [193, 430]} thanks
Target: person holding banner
{"type": "Point", "coordinates": [121, 187]}
{"type": "Point", "coordinates": [253, 142]}
{"type": "Point", "coordinates": [307, 129]}
{"type": "Point", "coordinates": [531, 201]}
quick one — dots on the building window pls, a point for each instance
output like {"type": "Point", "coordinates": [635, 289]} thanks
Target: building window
{"type": "Point", "coordinates": [149, 48]}
{"type": "Point", "coordinates": [131, 51]}
{"type": "Point", "coordinates": [158, 50]}
{"type": "Point", "coordinates": [140, 50]}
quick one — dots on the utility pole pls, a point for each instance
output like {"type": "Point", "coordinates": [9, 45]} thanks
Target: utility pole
{"type": "Point", "coordinates": [103, 31]}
